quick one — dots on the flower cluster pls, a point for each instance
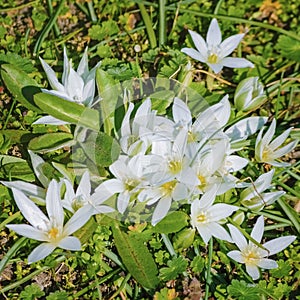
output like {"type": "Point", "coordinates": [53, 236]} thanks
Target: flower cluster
{"type": "Point", "coordinates": [165, 161]}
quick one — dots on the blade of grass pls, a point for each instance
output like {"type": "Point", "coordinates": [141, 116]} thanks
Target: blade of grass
{"type": "Point", "coordinates": [148, 24]}
{"type": "Point", "coordinates": [238, 20]}
{"type": "Point", "coordinates": [290, 212]}
{"type": "Point", "coordinates": [30, 276]}
{"type": "Point", "coordinates": [10, 9]}
{"type": "Point", "coordinates": [162, 33]}
{"type": "Point", "coordinates": [208, 271]}
{"type": "Point", "coordinates": [92, 11]}
{"type": "Point", "coordinates": [17, 245]}
{"type": "Point", "coordinates": [10, 219]}
{"type": "Point", "coordinates": [55, 27]}
{"type": "Point", "coordinates": [48, 27]}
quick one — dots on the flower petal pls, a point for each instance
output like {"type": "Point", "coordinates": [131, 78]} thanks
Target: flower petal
{"type": "Point", "coordinates": [30, 211]}
{"type": "Point", "coordinates": [280, 139]}
{"type": "Point", "coordinates": [161, 210]}
{"type": "Point", "coordinates": [205, 232]}
{"type": "Point", "coordinates": [80, 217]}
{"type": "Point", "coordinates": [219, 232]}
{"type": "Point", "coordinates": [237, 256]}
{"type": "Point", "coordinates": [238, 237]}
{"type": "Point", "coordinates": [221, 210]}
{"type": "Point", "coordinates": [253, 271]}
{"type": "Point", "coordinates": [258, 230]}
{"type": "Point", "coordinates": [193, 54]}
{"type": "Point", "coordinates": [28, 231]}
{"type": "Point", "coordinates": [229, 44]}
{"type": "Point", "coordinates": [70, 243]}
{"type": "Point", "coordinates": [27, 188]}
{"type": "Point", "coordinates": [52, 77]}
{"type": "Point", "coordinates": [236, 62]}
{"type": "Point", "coordinates": [53, 204]}
{"type": "Point", "coordinates": [181, 112]}
{"type": "Point", "coordinates": [40, 252]}
{"type": "Point", "coordinates": [214, 35]}
{"type": "Point", "coordinates": [266, 263]}
{"type": "Point", "coordinates": [279, 244]}
{"type": "Point", "coordinates": [84, 187]}
{"type": "Point", "coordinates": [49, 120]}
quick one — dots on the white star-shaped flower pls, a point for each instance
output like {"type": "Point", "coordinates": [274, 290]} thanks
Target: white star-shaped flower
{"type": "Point", "coordinates": [214, 52]}
{"type": "Point", "coordinates": [267, 151]}
{"type": "Point", "coordinates": [50, 230]}
{"type": "Point", "coordinates": [206, 217]}
{"type": "Point", "coordinates": [251, 255]}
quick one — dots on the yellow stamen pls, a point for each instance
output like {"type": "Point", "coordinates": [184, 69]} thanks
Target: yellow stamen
{"type": "Point", "coordinates": [53, 233]}
{"type": "Point", "coordinates": [212, 59]}
{"type": "Point", "coordinates": [202, 218]}
{"type": "Point", "coordinates": [175, 166]}
{"type": "Point", "coordinates": [169, 186]}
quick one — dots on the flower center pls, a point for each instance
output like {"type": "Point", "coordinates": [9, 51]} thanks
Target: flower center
{"type": "Point", "coordinates": [251, 256]}
{"type": "Point", "coordinates": [53, 233]}
{"type": "Point", "coordinates": [175, 166]}
{"type": "Point", "coordinates": [78, 202]}
{"type": "Point", "coordinates": [202, 217]}
{"type": "Point", "coordinates": [131, 184]}
{"type": "Point", "coordinates": [213, 58]}
{"type": "Point", "coordinates": [266, 154]}
{"type": "Point", "coordinates": [191, 137]}
{"type": "Point", "coordinates": [168, 187]}
{"type": "Point", "coordinates": [203, 182]}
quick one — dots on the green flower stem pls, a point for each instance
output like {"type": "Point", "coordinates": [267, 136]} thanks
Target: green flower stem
{"type": "Point", "coordinates": [286, 187]}
{"type": "Point", "coordinates": [122, 285]}
{"type": "Point", "coordinates": [55, 27]}
{"type": "Point", "coordinates": [208, 271]}
{"type": "Point", "coordinates": [92, 11]}
{"type": "Point", "coordinates": [48, 27]}
{"type": "Point", "coordinates": [217, 8]}
{"type": "Point", "coordinates": [10, 112]}
{"type": "Point", "coordinates": [168, 244]}
{"type": "Point", "coordinates": [17, 245]}
{"type": "Point", "coordinates": [290, 212]}
{"type": "Point", "coordinates": [162, 33]}
{"type": "Point", "coordinates": [113, 257]}
{"type": "Point", "coordinates": [93, 284]}
{"type": "Point", "coordinates": [275, 218]}
{"type": "Point", "coordinates": [210, 80]}
{"type": "Point", "coordinates": [10, 219]}
{"type": "Point", "coordinates": [148, 24]}
{"type": "Point", "coordinates": [9, 9]}
{"type": "Point", "coordinates": [30, 276]}
{"type": "Point", "coordinates": [238, 20]}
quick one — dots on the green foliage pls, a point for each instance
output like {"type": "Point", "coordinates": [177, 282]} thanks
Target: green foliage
{"type": "Point", "coordinates": [106, 29]}
{"type": "Point", "coordinates": [243, 291]}
{"type": "Point", "coordinates": [288, 48]}
{"type": "Point", "coordinates": [58, 295]}
{"type": "Point", "coordinates": [283, 269]}
{"type": "Point", "coordinates": [20, 85]}
{"type": "Point", "coordinates": [176, 266]}
{"type": "Point", "coordinates": [32, 292]}
{"type": "Point", "coordinates": [51, 141]}
{"type": "Point", "coordinates": [136, 257]}
{"type": "Point", "coordinates": [171, 223]}
{"type": "Point", "coordinates": [68, 111]}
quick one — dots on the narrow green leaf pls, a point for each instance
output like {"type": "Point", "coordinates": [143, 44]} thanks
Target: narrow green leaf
{"type": "Point", "coordinates": [136, 258]}
{"type": "Point", "coordinates": [68, 111]}
{"type": "Point", "coordinates": [109, 91]}
{"type": "Point", "coordinates": [17, 169]}
{"type": "Point", "coordinates": [17, 245]}
{"type": "Point", "coordinates": [51, 141]}
{"type": "Point", "coordinates": [20, 85]}
{"type": "Point", "coordinates": [173, 222]}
